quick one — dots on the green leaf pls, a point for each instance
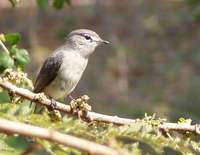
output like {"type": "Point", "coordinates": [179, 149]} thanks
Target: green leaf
{"type": "Point", "coordinates": [43, 3]}
{"type": "Point", "coordinates": [13, 50]}
{"type": "Point", "coordinates": [22, 58]}
{"type": "Point", "coordinates": [13, 38]}
{"type": "Point", "coordinates": [4, 97]}
{"type": "Point", "coordinates": [4, 147]}
{"type": "Point", "coordinates": [13, 2]}
{"type": "Point", "coordinates": [193, 2]}
{"type": "Point", "coordinates": [18, 142]}
{"type": "Point", "coordinates": [59, 4]}
{"type": "Point", "coordinates": [5, 61]}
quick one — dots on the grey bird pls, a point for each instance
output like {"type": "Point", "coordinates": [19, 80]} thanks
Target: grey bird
{"type": "Point", "coordinates": [63, 69]}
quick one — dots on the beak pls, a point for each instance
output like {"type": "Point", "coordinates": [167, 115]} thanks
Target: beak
{"type": "Point", "coordinates": [105, 41]}
{"type": "Point", "coordinates": [102, 41]}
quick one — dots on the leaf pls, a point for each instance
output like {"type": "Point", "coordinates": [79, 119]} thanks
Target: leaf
{"type": "Point", "coordinates": [4, 97]}
{"type": "Point", "coordinates": [12, 38]}
{"type": "Point", "coordinates": [13, 2]}
{"type": "Point", "coordinates": [18, 142]}
{"type": "Point", "coordinates": [4, 147]}
{"type": "Point", "coordinates": [13, 50]}
{"type": "Point", "coordinates": [59, 4]}
{"type": "Point", "coordinates": [22, 58]}
{"type": "Point", "coordinates": [193, 2]}
{"type": "Point", "coordinates": [5, 61]}
{"type": "Point", "coordinates": [43, 3]}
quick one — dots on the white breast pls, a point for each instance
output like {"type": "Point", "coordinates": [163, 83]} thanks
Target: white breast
{"type": "Point", "coordinates": [69, 74]}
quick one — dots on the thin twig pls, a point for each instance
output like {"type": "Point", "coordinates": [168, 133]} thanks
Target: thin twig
{"type": "Point", "coordinates": [54, 136]}
{"type": "Point", "coordinates": [92, 116]}
{"type": "Point", "coordinates": [181, 127]}
{"type": "Point", "coordinates": [4, 47]}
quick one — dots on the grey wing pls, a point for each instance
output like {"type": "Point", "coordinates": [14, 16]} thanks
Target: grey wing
{"type": "Point", "coordinates": [48, 72]}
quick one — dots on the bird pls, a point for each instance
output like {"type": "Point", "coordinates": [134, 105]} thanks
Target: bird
{"type": "Point", "coordinates": [63, 69]}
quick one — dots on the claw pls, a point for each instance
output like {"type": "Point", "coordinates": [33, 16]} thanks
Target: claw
{"type": "Point", "coordinates": [53, 104]}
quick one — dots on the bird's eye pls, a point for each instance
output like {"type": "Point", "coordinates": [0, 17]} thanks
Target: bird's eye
{"type": "Point", "coordinates": [87, 37]}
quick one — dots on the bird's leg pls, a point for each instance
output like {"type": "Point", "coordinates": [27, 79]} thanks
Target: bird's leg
{"type": "Point", "coordinates": [70, 96]}
{"type": "Point", "coordinates": [54, 114]}
{"type": "Point", "coordinates": [73, 104]}
{"type": "Point", "coordinates": [68, 99]}
{"type": "Point", "coordinates": [53, 103]}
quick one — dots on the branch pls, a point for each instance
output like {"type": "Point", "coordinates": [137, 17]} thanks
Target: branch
{"type": "Point", "coordinates": [92, 116]}
{"type": "Point", "coordinates": [54, 136]}
{"type": "Point", "coordinates": [180, 127]}
{"type": "Point", "coordinates": [4, 47]}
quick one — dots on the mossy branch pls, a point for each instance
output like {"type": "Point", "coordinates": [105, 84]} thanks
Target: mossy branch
{"type": "Point", "coordinates": [40, 99]}
{"type": "Point", "coordinates": [54, 136]}
{"type": "Point", "coordinates": [92, 116]}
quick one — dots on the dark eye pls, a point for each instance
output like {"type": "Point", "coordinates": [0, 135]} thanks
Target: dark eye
{"type": "Point", "coordinates": [87, 37]}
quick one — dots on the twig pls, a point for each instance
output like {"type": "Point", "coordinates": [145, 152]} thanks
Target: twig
{"type": "Point", "coordinates": [181, 127]}
{"type": "Point", "coordinates": [54, 136]}
{"type": "Point", "coordinates": [92, 116]}
{"type": "Point", "coordinates": [4, 47]}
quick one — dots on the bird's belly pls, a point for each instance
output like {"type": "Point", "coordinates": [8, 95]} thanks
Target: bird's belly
{"type": "Point", "coordinates": [66, 80]}
{"type": "Point", "coordinates": [60, 88]}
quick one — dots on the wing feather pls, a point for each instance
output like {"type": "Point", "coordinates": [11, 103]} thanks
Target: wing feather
{"type": "Point", "coordinates": [48, 72]}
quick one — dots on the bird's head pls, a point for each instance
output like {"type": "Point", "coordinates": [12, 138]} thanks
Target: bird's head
{"type": "Point", "coordinates": [84, 41]}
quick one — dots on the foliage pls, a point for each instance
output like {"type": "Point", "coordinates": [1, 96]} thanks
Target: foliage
{"type": "Point", "coordinates": [58, 4]}
{"type": "Point", "coordinates": [17, 57]}
{"type": "Point", "coordinates": [13, 2]}
{"type": "Point", "coordinates": [142, 137]}
{"type": "Point", "coordinates": [195, 8]}
{"type": "Point", "coordinates": [130, 138]}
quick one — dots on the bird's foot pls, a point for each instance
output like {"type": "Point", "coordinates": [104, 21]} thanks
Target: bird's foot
{"type": "Point", "coordinates": [80, 105]}
{"type": "Point", "coordinates": [71, 98]}
{"type": "Point", "coordinates": [53, 104]}
{"type": "Point", "coordinates": [54, 114]}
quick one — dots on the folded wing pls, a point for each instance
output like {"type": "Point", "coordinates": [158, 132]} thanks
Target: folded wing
{"type": "Point", "coordinates": [48, 72]}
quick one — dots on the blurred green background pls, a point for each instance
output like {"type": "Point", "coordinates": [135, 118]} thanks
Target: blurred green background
{"type": "Point", "coordinates": [151, 66]}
